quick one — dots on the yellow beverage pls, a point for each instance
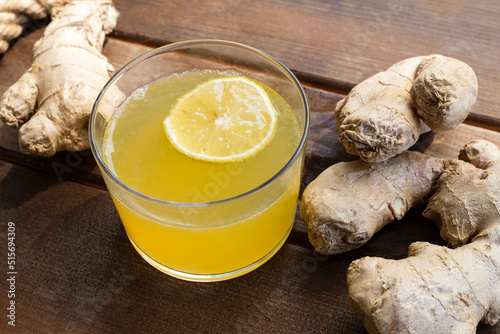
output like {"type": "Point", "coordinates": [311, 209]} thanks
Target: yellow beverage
{"type": "Point", "coordinates": [242, 228]}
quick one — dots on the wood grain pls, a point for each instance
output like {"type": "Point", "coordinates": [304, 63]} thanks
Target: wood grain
{"type": "Point", "coordinates": [79, 272]}
{"type": "Point", "coordinates": [335, 43]}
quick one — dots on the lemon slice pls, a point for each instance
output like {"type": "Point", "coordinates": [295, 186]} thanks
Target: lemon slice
{"type": "Point", "coordinates": [222, 120]}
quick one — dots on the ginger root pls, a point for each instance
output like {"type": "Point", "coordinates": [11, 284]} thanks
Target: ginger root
{"type": "Point", "coordinates": [466, 199]}
{"type": "Point", "coordinates": [482, 154]}
{"type": "Point", "coordinates": [343, 212]}
{"type": "Point", "coordinates": [350, 201]}
{"type": "Point", "coordinates": [438, 289]}
{"type": "Point", "coordinates": [434, 290]}
{"type": "Point", "coordinates": [54, 97]}
{"type": "Point", "coordinates": [385, 114]}
{"type": "Point", "coordinates": [16, 14]}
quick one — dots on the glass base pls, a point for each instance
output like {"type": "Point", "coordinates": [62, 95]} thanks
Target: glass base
{"type": "Point", "coordinates": [211, 277]}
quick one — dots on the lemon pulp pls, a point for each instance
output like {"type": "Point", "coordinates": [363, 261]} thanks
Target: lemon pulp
{"type": "Point", "coordinates": [222, 120]}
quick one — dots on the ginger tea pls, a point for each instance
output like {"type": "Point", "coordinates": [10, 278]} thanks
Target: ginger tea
{"type": "Point", "coordinates": [193, 237]}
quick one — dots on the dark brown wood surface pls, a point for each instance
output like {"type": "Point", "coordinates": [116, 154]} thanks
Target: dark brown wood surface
{"type": "Point", "coordinates": [335, 43]}
{"type": "Point", "coordinates": [78, 273]}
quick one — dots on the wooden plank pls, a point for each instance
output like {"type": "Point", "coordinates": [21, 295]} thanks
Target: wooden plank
{"type": "Point", "coordinates": [447, 144]}
{"type": "Point", "coordinates": [335, 44]}
{"type": "Point", "coordinates": [78, 273]}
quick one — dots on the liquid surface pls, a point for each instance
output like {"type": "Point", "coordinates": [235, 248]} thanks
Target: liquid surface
{"type": "Point", "coordinates": [142, 156]}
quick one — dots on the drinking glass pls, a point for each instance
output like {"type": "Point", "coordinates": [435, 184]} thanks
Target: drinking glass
{"type": "Point", "coordinates": [207, 240]}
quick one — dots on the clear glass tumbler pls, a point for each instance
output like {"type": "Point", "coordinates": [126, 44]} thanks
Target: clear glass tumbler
{"type": "Point", "coordinates": [210, 240]}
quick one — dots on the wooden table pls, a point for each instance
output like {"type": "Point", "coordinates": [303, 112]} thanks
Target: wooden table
{"type": "Point", "coordinates": [77, 271]}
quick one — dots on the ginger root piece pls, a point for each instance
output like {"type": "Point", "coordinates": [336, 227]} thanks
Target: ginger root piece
{"type": "Point", "coordinates": [16, 14]}
{"type": "Point", "coordinates": [443, 92]}
{"type": "Point", "coordinates": [482, 154]}
{"type": "Point", "coordinates": [350, 201]}
{"type": "Point", "coordinates": [438, 289]}
{"type": "Point", "coordinates": [385, 114]}
{"type": "Point", "coordinates": [434, 290]}
{"type": "Point", "coordinates": [466, 199]}
{"type": "Point", "coordinates": [66, 75]}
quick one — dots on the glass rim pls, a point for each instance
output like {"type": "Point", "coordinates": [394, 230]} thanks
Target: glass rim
{"type": "Point", "coordinates": [172, 46]}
